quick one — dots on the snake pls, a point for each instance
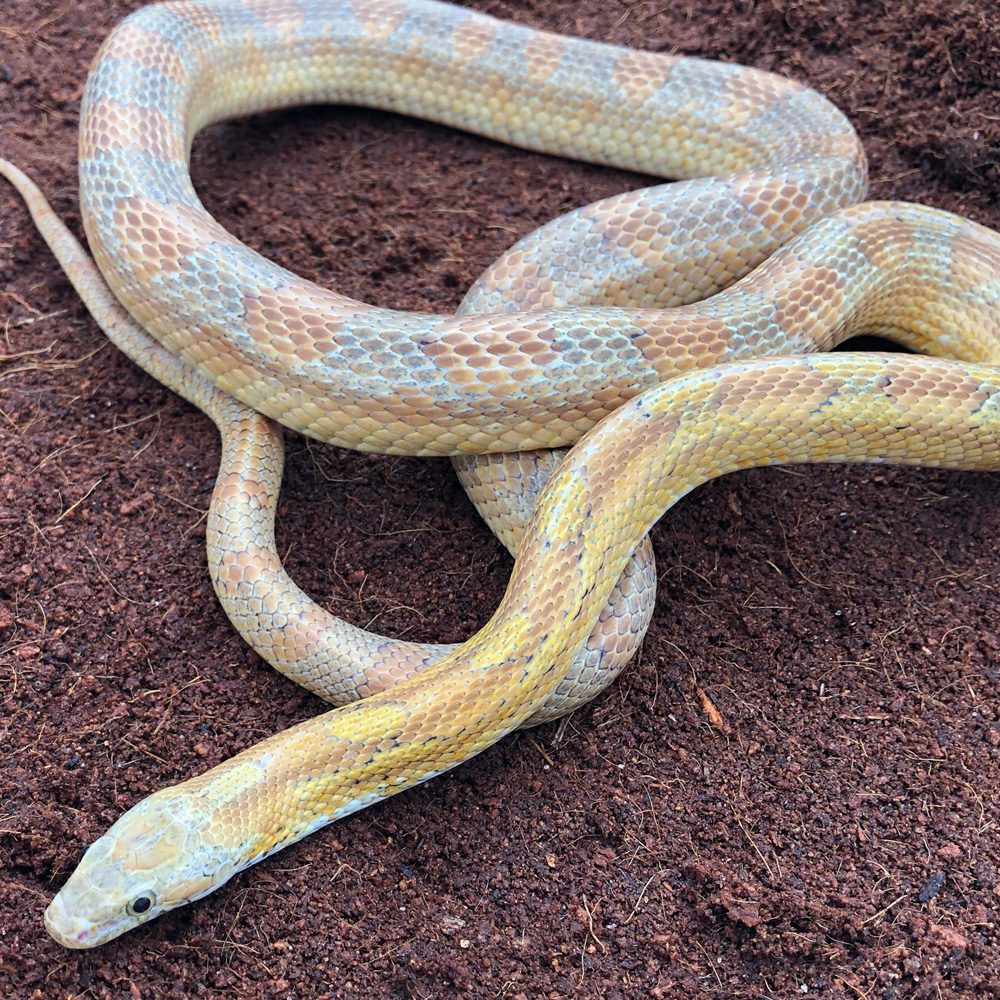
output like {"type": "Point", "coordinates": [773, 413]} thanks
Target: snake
{"type": "Point", "coordinates": [787, 172]}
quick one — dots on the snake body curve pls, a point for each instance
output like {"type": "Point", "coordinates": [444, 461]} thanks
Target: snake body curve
{"type": "Point", "coordinates": [376, 379]}
{"type": "Point", "coordinates": [331, 657]}
{"type": "Point", "coordinates": [183, 842]}
{"type": "Point", "coordinates": [350, 373]}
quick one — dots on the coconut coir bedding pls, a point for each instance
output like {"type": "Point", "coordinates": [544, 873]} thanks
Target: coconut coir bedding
{"type": "Point", "coordinates": [791, 791]}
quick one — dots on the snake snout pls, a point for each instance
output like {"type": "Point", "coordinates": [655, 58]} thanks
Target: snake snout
{"type": "Point", "coordinates": [69, 931]}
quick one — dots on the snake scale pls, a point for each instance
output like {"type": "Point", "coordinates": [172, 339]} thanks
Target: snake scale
{"type": "Point", "coordinates": [596, 325]}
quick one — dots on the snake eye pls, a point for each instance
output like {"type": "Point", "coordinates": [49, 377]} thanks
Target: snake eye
{"type": "Point", "coordinates": [140, 905]}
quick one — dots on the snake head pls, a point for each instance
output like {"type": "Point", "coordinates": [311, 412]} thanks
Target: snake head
{"type": "Point", "coordinates": [156, 857]}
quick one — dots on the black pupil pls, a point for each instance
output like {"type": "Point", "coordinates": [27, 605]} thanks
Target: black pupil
{"type": "Point", "coordinates": [141, 904]}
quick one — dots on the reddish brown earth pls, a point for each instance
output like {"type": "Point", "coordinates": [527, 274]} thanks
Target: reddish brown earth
{"type": "Point", "coordinates": [832, 832]}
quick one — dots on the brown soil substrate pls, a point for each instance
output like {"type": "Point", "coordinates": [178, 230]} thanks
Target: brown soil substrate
{"type": "Point", "coordinates": [830, 832]}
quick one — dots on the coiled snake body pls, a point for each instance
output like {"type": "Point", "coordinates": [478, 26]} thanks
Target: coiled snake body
{"type": "Point", "coordinates": [589, 333]}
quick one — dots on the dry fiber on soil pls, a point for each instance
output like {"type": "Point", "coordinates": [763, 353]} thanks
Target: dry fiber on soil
{"type": "Point", "coordinates": [792, 790]}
